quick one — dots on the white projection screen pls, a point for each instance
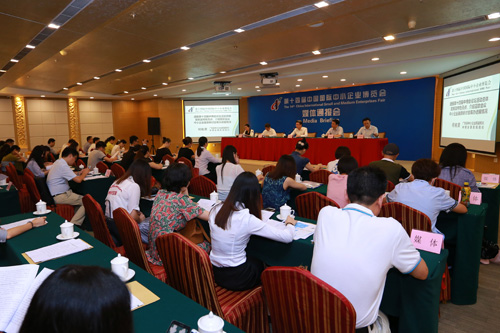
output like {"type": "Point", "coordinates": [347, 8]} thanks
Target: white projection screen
{"type": "Point", "coordinates": [470, 108]}
{"type": "Point", "coordinates": [213, 119]}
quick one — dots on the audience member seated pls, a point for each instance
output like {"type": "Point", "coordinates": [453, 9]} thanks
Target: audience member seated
{"type": "Point", "coordinates": [129, 156]}
{"type": "Point", "coordinates": [172, 209]}
{"type": "Point", "coordinates": [51, 143]}
{"type": "Point", "coordinates": [92, 146]}
{"type": "Point", "coordinates": [163, 150]}
{"type": "Point", "coordinates": [268, 132]}
{"type": "Point", "coordinates": [205, 161]}
{"type": "Point", "coordinates": [336, 130]}
{"type": "Point", "coordinates": [118, 148]}
{"type": "Point", "coordinates": [227, 171]}
{"type": "Point", "coordinates": [422, 196]}
{"type": "Point", "coordinates": [14, 156]}
{"type": "Point", "coordinates": [46, 158]}
{"type": "Point", "coordinates": [341, 151]}
{"type": "Point", "coordinates": [57, 181]}
{"type": "Point", "coordinates": [337, 183]}
{"type": "Point", "coordinates": [368, 130]}
{"type": "Point", "coordinates": [185, 150]}
{"type": "Point", "coordinates": [4, 150]}
{"type": "Point", "coordinates": [80, 299]}
{"type": "Point", "coordinates": [143, 153]}
{"type": "Point", "coordinates": [299, 130]}
{"type": "Point", "coordinates": [87, 144]}
{"type": "Point", "coordinates": [247, 132]}
{"type": "Point", "coordinates": [231, 225]}
{"type": "Point", "coordinates": [36, 162]}
{"type": "Point", "coordinates": [393, 171]}
{"type": "Point", "coordinates": [98, 155]}
{"type": "Point", "coordinates": [303, 162]}
{"type": "Point", "coordinates": [126, 192]}
{"type": "Point", "coordinates": [134, 141]}
{"type": "Point", "coordinates": [13, 232]}
{"type": "Point", "coordinates": [279, 182]}
{"type": "Point", "coordinates": [354, 249]}
{"type": "Point", "coordinates": [110, 144]}
{"type": "Point", "coordinates": [10, 142]}
{"type": "Point", "coordinates": [452, 162]}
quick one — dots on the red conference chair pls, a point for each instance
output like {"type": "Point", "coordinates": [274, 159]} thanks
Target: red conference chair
{"type": "Point", "coordinates": [98, 222]}
{"type": "Point", "coordinates": [185, 161]}
{"type": "Point", "coordinates": [65, 211]}
{"type": "Point", "coordinates": [102, 167]}
{"type": "Point", "coordinates": [320, 176]}
{"type": "Point", "coordinates": [309, 204]}
{"type": "Point", "coordinates": [131, 238]}
{"type": "Point", "coordinates": [29, 172]}
{"type": "Point", "coordinates": [267, 169]}
{"type": "Point", "coordinates": [300, 302]}
{"type": "Point", "coordinates": [25, 202]}
{"type": "Point", "coordinates": [452, 187]}
{"type": "Point", "coordinates": [170, 159]}
{"type": "Point", "coordinates": [202, 186]}
{"type": "Point", "coordinates": [189, 270]}
{"type": "Point", "coordinates": [117, 170]}
{"type": "Point", "coordinates": [11, 171]}
{"type": "Point", "coordinates": [81, 162]}
{"type": "Point", "coordinates": [390, 186]}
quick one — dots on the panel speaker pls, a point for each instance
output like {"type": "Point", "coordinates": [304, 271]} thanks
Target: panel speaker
{"type": "Point", "coordinates": [153, 126]}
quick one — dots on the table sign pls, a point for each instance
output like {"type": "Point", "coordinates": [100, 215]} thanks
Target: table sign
{"type": "Point", "coordinates": [475, 198]}
{"type": "Point", "coordinates": [290, 136]}
{"type": "Point", "coordinates": [330, 136]}
{"type": "Point", "coordinates": [490, 178]}
{"type": "Point", "coordinates": [260, 136]}
{"type": "Point", "coordinates": [361, 136]}
{"type": "Point", "coordinates": [427, 241]}
{"type": "Point", "coordinates": [108, 173]}
{"type": "Point", "coordinates": [8, 186]}
{"type": "Point", "coordinates": [240, 135]}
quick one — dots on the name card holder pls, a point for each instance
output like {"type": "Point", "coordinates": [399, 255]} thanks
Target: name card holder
{"type": "Point", "coordinates": [240, 135]}
{"type": "Point", "coordinates": [475, 198]}
{"type": "Point", "coordinates": [108, 173]}
{"type": "Point", "coordinates": [290, 136]}
{"type": "Point", "coordinates": [361, 136]}
{"type": "Point", "coordinates": [9, 185]}
{"type": "Point", "coordinates": [427, 241]}
{"type": "Point", "coordinates": [330, 136]}
{"type": "Point", "coordinates": [490, 178]}
{"type": "Point", "coordinates": [260, 136]}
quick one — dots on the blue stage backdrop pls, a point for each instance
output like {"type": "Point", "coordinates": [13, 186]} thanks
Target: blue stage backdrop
{"type": "Point", "coordinates": [404, 110]}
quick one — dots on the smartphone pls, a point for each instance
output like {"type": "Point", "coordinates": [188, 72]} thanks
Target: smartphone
{"type": "Point", "coordinates": [178, 327]}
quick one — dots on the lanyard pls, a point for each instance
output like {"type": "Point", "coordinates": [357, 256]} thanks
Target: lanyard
{"type": "Point", "coordinates": [357, 210]}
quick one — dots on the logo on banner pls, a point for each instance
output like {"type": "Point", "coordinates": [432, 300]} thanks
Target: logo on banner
{"type": "Point", "coordinates": [276, 105]}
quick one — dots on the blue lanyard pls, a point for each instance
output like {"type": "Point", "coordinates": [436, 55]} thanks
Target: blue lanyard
{"type": "Point", "coordinates": [357, 210]}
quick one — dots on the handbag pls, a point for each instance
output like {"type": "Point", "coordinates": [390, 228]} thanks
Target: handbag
{"type": "Point", "coordinates": [194, 232]}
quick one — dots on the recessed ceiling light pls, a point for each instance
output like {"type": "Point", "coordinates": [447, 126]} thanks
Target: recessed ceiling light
{"type": "Point", "coordinates": [183, 89]}
{"type": "Point", "coordinates": [402, 73]}
{"type": "Point", "coordinates": [321, 4]}
{"type": "Point", "coordinates": [65, 88]}
{"type": "Point", "coordinates": [325, 76]}
{"type": "Point", "coordinates": [389, 37]}
{"type": "Point", "coordinates": [155, 95]}
{"type": "Point", "coordinates": [143, 88]}
{"type": "Point", "coordinates": [125, 92]}
{"type": "Point", "coordinates": [258, 90]}
{"type": "Point", "coordinates": [79, 83]}
{"type": "Point", "coordinates": [53, 26]}
{"type": "Point", "coordinates": [239, 30]}
{"type": "Point", "coordinates": [257, 87]}
{"type": "Point", "coordinates": [190, 78]}
{"type": "Point", "coordinates": [375, 59]}
{"type": "Point", "coordinates": [14, 60]}
{"type": "Point", "coordinates": [222, 72]}
{"type": "Point", "coordinates": [118, 70]}
{"type": "Point", "coordinates": [277, 83]}
{"type": "Point", "coordinates": [493, 16]}
{"type": "Point", "coordinates": [239, 88]}
{"type": "Point", "coordinates": [30, 46]}
{"type": "Point", "coordinates": [132, 99]}
{"type": "Point", "coordinates": [165, 83]}
{"type": "Point", "coordinates": [316, 52]}
{"type": "Point", "coordinates": [2, 71]}
{"type": "Point", "coordinates": [343, 80]}
{"type": "Point", "coordinates": [97, 78]}
{"type": "Point", "coordinates": [494, 39]}
{"type": "Point", "coordinates": [91, 97]}
{"type": "Point", "coordinates": [146, 60]}
{"type": "Point", "coordinates": [263, 63]}
{"type": "Point", "coordinates": [299, 80]}
{"type": "Point", "coordinates": [185, 48]}
{"type": "Point", "coordinates": [42, 95]}
{"type": "Point", "coordinates": [297, 85]}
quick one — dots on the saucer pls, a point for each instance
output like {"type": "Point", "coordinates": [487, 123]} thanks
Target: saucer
{"type": "Point", "coordinates": [75, 234]}
{"type": "Point", "coordinates": [130, 274]}
{"type": "Point", "coordinates": [42, 213]}
{"type": "Point", "coordinates": [280, 218]}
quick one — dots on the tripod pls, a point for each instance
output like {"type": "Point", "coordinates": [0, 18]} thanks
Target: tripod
{"type": "Point", "coordinates": [153, 148]}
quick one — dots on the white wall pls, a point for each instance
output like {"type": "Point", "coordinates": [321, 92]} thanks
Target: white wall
{"type": "Point", "coordinates": [7, 129]}
{"type": "Point", "coordinates": [96, 119]}
{"type": "Point", "coordinates": [47, 118]}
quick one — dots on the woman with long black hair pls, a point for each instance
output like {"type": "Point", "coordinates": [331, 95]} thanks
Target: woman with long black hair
{"type": "Point", "coordinates": [205, 161]}
{"type": "Point", "coordinates": [227, 171]}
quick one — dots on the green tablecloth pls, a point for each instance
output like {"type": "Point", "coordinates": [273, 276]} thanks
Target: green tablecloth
{"type": "Point", "coordinates": [464, 234]}
{"type": "Point", "coordinates": [9, 201]}
{"type": "Point", "coordinates": [491, 196]}
{"type": "Point", "coordinates": [155, 317]}
{"type": "Point", "coordinates": [97, 188]}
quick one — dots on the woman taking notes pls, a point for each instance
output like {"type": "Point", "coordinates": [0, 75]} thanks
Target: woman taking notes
{"type": "Point", "coordinates": [231, 225]}
{"type": "Point", "coordinates": [227, 171]}
{"type": "Point", "coordinates": [203, 158]}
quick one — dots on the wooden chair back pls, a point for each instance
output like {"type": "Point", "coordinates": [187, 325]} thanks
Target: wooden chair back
{"type": "Point", "coordinates": [309, 204]}
{"type": "Point", "coordinates": [409, 217]}
{"type": "Point", "coordinates": [117, 170]}
{"type": "Point", "coordinates": [102, 167]}
{"type": "Point", "coordinates": [320, 176]}
{"type": "Point", "coordinates": [452, 187]}
{"type": "Point", "coordinates": [202, 186]}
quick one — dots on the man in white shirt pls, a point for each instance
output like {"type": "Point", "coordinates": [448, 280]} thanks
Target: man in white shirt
{"type": "Point", "coordinates": [299, 131]}
{"type": "Point", "coordinates": [368, 130]}
{"type": "Point", "coordinates": [354, 249]}
{"type": "Point", "coordinates": [92, 146]}
{"type": "Point", "coordinates": [57, 182]}
{"type": "Point", "coordinates": [98, 155]}
{"type": "Point", "coordinates": [268, 131]}
{"type": "Point", "coordinates": [87, 144]}
{"type": "Point", "coordinates": [336, 130]}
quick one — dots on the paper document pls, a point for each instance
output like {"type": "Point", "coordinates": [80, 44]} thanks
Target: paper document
{"type": "Point", "coordinates": [17, 320]}
{"type": "Point", "coordinates": [486, 185]}
{"type": "Point", "coordinates": [134, 302]}
{"type": "Point", "coordinates": [150, 198]}
{"type": "Point", "coordinates": [58, 250]}
{"type": "Point", "coordinates": [140, 295]}
{"type": "Point", "coordinates": [310, 184]}
{"type": "Point", "coordinates": [266, 215]}
{"type": "Point", "coordinates": [304, 230]}
{"type": "Point", "coordinates": [15, 282]}
{"type": "Point", "coordinates": [206, 204]}
{"type": "Point", "coordinates": [94, 177]}
{"type": "Point", "coordinates": [16, 224]}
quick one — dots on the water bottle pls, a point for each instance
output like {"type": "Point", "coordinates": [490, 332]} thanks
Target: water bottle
{"type": "Point", "coordinates": [465, 194]}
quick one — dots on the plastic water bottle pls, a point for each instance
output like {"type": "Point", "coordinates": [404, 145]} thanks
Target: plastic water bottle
{"type": "Point", "coordinates": [465, 194]}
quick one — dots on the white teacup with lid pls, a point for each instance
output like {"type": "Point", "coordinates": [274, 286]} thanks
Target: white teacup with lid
{"type": "Point", "coordinates": [119, 266]}
{"type": "Point", "coordinates": [67, 229]}
{"type": "Point", "coordinates": [298, 178]}
{"type": "Point", "coordinates": [214, 196]}
{"type": "Point", "coordinates": [96, 170]}
{"type": "Point", "coordinates": [210, 324]}
{"type": "Point", "coordinates": [286, 210]}
{"type": "Point", "coordinates": [258, 172]}
{"type": "Point", "coordinates": [41, 207]}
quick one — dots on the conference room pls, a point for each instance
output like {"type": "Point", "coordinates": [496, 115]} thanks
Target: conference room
{"type": "Point", "coordinates": [419, 74]}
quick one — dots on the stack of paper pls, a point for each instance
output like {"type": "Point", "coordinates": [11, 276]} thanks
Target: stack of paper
{"type": "Point", "coordinates": [310, 184]}
{"type": "Point", "coordinates": [303, 230]}
{"type": "Point", "coordinates": [94, 177]}
{"type": "Point", "coordinates": [58, 250]}
{"type": "Point", "coordinates": [16, 224]}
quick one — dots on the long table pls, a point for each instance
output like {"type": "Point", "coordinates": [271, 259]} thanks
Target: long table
{"type": "Point", "coordinates": [155, 317]}
{"type": "Point", "coordinates": [320, 150]}
{"type": "Point", "coordinates": [9, 201]}
{"type": "Point", "coordinates": [491, 196]}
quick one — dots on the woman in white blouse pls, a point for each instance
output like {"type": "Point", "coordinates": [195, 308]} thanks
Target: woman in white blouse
{"type": "Point", "coordinates": [231, 225]}
{"type": "Point", "coordinates": [202, 159]}
{"type": "Point", "coordinates": [227, 171]}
